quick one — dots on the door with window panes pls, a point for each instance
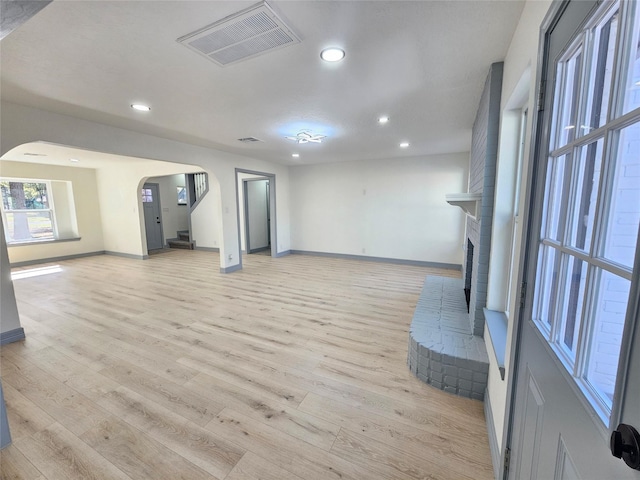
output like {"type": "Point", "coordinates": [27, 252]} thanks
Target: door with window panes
{"type": "Point", "coordinates": [578, 372]}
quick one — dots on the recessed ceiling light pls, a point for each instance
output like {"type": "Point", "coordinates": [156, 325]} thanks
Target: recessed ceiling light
{"type": "Point", "coordinates": [295, 155]}
{"type": "Point", "coordinates": [332, 54]}
{"type": "Point", "coordinates": [404, 144]}
{"type": "Point", "coordinates": [74, 160]}
{"type": "Point", "coordinates": [383, 120]}
{"type": "Point", "coordinates": [140, 107]}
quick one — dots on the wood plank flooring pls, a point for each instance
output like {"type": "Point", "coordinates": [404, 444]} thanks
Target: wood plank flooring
{"type": "Point", "coordinates": [293, 368]}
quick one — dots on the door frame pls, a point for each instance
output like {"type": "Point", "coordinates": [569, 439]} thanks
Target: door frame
{"type": "Point", "coordinates": [245, 198]}
{"type": "Point", "coordinates": [272, 205]}
{"type": "Point", "coordinates": [157, 185]}
{"type": "Point", "coordinates": [529, 221]}
{"type": "Point", "coordinates": [534, 189]}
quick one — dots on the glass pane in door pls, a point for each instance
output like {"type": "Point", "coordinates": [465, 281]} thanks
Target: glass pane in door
{"type": "Point", "coordinates": [556, 199]}
{"type": "Point", "coordinates": [567, 97]}
{"type": "Point", "coordinates": [575, 276]}
{"type": "Point", "coordinates": [631, 93]}
{"type": "Point", "coordinates": [611, 295]}
{"type": "Point", "coordinates": [585, 195]}
{"type": "Point", "coordinates": [623, 218]}
{"type": "Point", "coordinates": [603, 36]}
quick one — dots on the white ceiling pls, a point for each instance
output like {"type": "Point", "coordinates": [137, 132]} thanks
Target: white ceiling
{"type": "Point", "coordinates": [422, 63]}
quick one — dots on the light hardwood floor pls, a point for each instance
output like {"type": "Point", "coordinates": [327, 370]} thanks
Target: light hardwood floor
{"type": "Point", "coordinates": [293, 368]}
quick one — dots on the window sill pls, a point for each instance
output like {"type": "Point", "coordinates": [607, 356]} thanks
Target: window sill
{"type": "Point", "coordinates": [497, 327]}
{"type": "Point", "coordinates": [42, 242]}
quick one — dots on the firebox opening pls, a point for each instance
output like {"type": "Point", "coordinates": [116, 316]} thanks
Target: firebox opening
{"type": "Point", "coordinates": [468, 272]}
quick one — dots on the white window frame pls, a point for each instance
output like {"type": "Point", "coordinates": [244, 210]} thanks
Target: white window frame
{"type": "Point", "coordinates": [577, 364]}
{"type": "Point", "coordinates": [51, 210]}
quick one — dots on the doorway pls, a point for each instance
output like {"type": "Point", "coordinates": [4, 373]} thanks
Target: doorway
{"type": "Point", "coordinates": [575, 379]}
{"type": "Point", "coordinates": [270, 187]}
{"type": "Point", "coordinates": [152, 216]}
{"type": "Point", "coordinates": [257, 215]}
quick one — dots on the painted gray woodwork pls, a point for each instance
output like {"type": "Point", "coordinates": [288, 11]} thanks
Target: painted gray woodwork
{"type": "Point", "coordinates": [153, 218]}
{"type": "Point", "coordinates": [11, 336]}
{"type": "Point", "coordinates": [493, 437]}
{"type": "Point", "coordinates": [256, 196]}
{"type": "Point", "coordinates": [398, 261]}
{"type": "Point", "coordinates": [497, 326]}
{"type": "Point", "coordinates": [552, 432]}
{"type": "Point", "coordinates": [5, 434]}
{"type": "Point", "coordinates": [273, 229]}
{"type": "Point", "coordinates": [14, 13]}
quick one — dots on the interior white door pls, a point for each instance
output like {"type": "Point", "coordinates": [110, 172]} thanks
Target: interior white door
{"type": "Point", "coordinates": [577, 361]}
{"type": "Point", "coordinates": [257, 215]}
{"type": "Point", "coordinates": [152, 216]}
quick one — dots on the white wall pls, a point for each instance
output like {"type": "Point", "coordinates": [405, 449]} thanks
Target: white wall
{"type": "Point", "coordinates": [174, 217]}
{"type": "Point", "coordinates": [121, 205]}
{"type": "Point", "coordinates": [9, 319]}
{"type": "Point", "coordinates": [20, 124]}
{"type": "Point", "coordinates": [206, 219]}
{"type": "Point", "coordinates": [87, 210]}
{"type": "Point", "coordinates": [385, 208]}
{"type": "Point", "coordinates": [520, 62]}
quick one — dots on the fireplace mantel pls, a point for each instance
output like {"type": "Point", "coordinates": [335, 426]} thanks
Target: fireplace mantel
{"type": "Point", "coordinates": [468, 202]}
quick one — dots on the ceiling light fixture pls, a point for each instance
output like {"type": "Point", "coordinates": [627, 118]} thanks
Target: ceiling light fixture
{"type": "Point", "coordinates": [307, 137]}
{"type": "Point", "coordinates": [295, 155]}
{"type": "Point", "coordinates": [140, 107]}
{"type": "Point", "coordinates": [404, 144]}
{"type": "Point", "coordinates": [74, 160]}
{"type": "Point", "coordinates": [332, 54]}
{"type": "Point", "coordinates": [383, 120]}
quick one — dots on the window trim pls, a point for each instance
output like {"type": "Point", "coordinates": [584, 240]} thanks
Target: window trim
{"type": "Point", "coordinates": [51, 210]}
{"type": "Point", "coordinates": [576, 372]}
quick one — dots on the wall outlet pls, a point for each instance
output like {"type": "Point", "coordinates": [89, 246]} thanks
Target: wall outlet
{"type": "Point", "coordinates": [230, 256]}
{"type": "Point", "coordinates": [364, 250]}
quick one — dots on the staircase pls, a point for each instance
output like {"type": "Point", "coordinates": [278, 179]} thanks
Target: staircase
{"type": "Point", "coordinates": [197, 188]}
{"type": "Point", "coordinates": [182, 241]}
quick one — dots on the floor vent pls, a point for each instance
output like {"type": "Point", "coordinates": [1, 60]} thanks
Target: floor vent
{"type": "Point", "coordinates": [246, 34]}
{"type": "Point", "coordinates": [249, 140]}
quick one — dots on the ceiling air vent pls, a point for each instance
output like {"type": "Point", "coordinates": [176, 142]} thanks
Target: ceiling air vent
{"type": "Point", "coordinates": [246, 34]}
{"type": "Point", "coordinates": [248, 140]}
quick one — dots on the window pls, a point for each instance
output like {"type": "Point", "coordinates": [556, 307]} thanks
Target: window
{"type": "Point", "coordinates": [27, 211]}
{"type": "Point", "coordinates": [515, 221]}
{"type": "Point", "coordinates": [591, 210]}
{"type": "Point", "coordinates": [147, 195]}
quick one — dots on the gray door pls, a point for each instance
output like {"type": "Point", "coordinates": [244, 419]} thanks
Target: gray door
{"type": "Point", "coordinates": [257, 215]}
{"type": "Point", "coordinates": [152, 216]}
{"type": "Point", "coordinates": [577, 365]}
